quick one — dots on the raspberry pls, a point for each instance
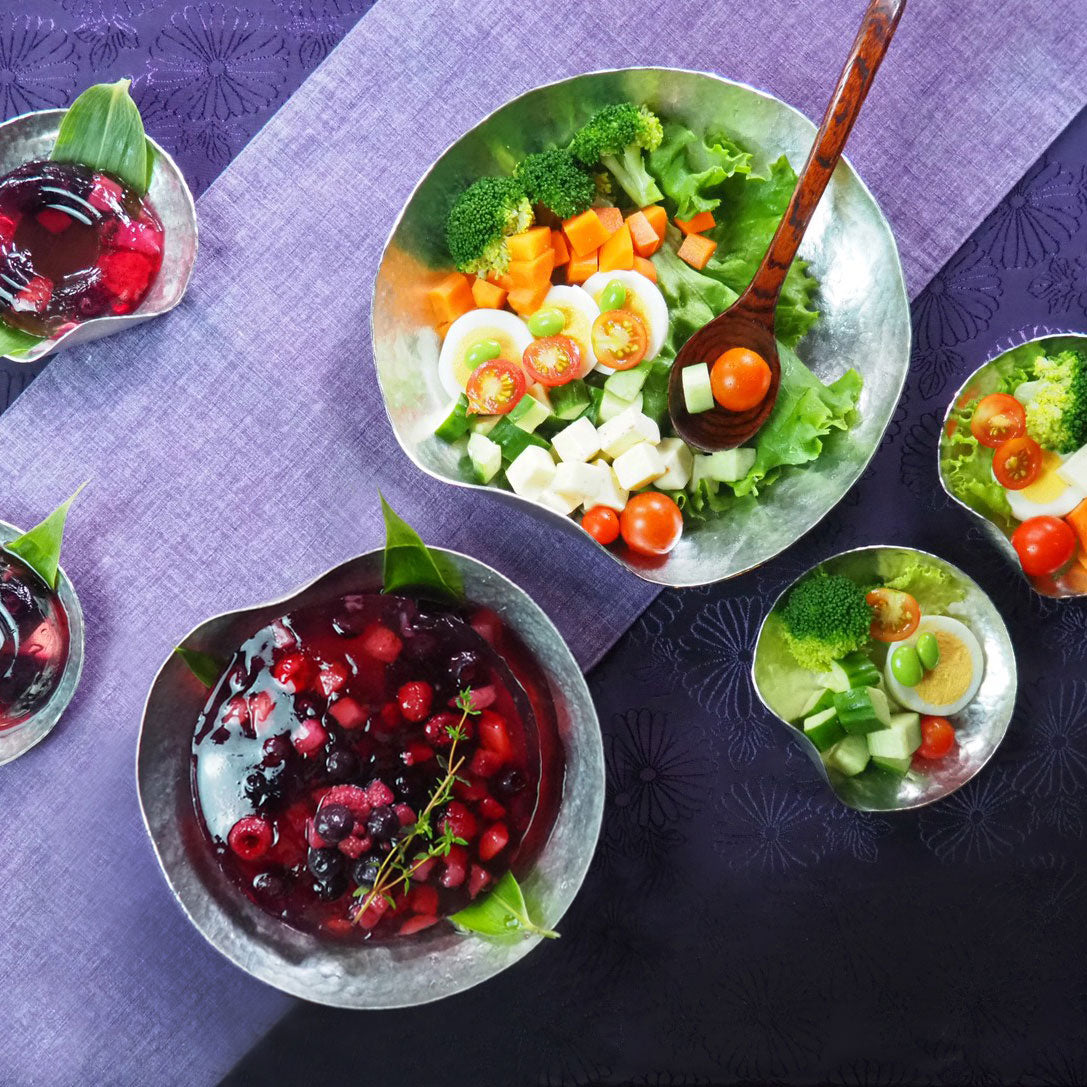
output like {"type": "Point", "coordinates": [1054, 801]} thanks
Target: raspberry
{"type": "Point", "coordinates": [381, 643]}
{"type": "Point", "coordinates": [484, 763]}
{"type": "Point", "coordinates": [313, 839]}
{"type": "Point", "coordinates": [125, 274]}
{"type": "Point", "coordinates": [460, 820]}
{"type": "Point", "coordinates": [379, 794]}
{"type": "Point", "coordinates": [437, 728]}
{"type": "Point", "coordinates": [293, 671]}
{"type": "Point", "coordinates": [250, 837]}
{"type": "Point", "coordinates": [415, 699]}
{"type": "Point", "coordinates": [495, 838]}
{"type": "Point", "coordinates": [456, 867]}
{"type": "Point", "coordinates": [352, 797]}
{"type": "Point", "coordinates": [309, 737]}
{"type": "Point", "coordinates": [348, 713]}
{"type": "Point", "coordinates": [405, 813]}
{"type": "Point", "coordinates": [354, 847]}
{"type": "Point", "coordinates": [420, 869]}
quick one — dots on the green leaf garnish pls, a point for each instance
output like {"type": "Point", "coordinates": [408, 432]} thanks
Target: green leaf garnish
{"type": "Point", "coordinates": [501, 913]}
{"type": "Point", "coordinates": [14, 342]}
{"type": "Point", "coordinates": [204, 666]}
{"type": "Point", "coordinates": [410, 564]}
{"type": "Point", "coordinates": [40, 547]}
{"type": "Point", "coordinates": [103, 129]}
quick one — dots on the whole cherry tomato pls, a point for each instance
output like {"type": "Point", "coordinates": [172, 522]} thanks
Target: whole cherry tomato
{"type": "Point", "coordinates": [739, 379]}
{"type": "Point", "coordinates": [651, 523]}
{"type": "Point", "coordinates": [998, 418]}
{"type": "Point", "coordinates": [1017, 462]}
{"type": "Point", "coordinates": [1044, 545]}
{"type": "Point", "coordinates": [937, 737]}
{"type": "Point", "coordinates": [602, 523]}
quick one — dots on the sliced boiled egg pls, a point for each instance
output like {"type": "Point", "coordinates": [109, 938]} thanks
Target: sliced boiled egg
{"type": "Point", "coordinates": [1049, 494]}
{"type": "Point", "coordinates": [951, 686]}
{"type": "Point", "coordinates": [580, 311]}
{"type": "Point", "coordinates": [504, 328]}
{"type": "Point", "coordinates": [643, 298]}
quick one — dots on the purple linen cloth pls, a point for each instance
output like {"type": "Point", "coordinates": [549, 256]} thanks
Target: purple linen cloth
{"type": "Point", "coordinates": [234, 447]}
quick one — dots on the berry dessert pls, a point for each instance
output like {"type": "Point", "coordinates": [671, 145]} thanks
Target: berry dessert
{"type": "Point", "coordinates": [368, 766]}
{"type": "Point", "coordinates": [33, 641]}
{"type": "Point", "coordinates": [74, 244]}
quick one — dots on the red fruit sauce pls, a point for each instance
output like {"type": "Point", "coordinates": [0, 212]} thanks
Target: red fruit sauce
{"type": "Point", "coordinates": [74, 244]}
{"type": "Point", "coordinates": [320, 746]}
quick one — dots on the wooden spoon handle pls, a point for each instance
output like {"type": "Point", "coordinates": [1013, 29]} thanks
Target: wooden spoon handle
{"type": "Point", "coordinates": [874, 36]}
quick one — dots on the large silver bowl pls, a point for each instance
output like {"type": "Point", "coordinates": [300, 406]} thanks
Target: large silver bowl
{"type": "Point", "coordinates": [31, 136]}
{"type": "Point", "coordinates": [865, 314]}
{"type": "Point", "coordinates": [411, 971]}
{"type": "Point", "coordinates": [979, 728]}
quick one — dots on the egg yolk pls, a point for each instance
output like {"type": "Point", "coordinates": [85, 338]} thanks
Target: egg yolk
{"type": "Point", "coordinates": [950, 679]}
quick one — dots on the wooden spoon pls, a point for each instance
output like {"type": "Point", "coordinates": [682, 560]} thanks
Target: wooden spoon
{"type": "Point", "coordinates": [749, 321]}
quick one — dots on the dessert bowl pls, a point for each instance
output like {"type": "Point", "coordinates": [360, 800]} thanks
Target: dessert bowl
{"type": "Point", "coordinates": [31, 136]}
{"type": "Point", "coordinates": [413, 970]}
{"type": "Point", "coordinates": [979, 727]}
{"type": "Point", "coordinates": [850, 247]}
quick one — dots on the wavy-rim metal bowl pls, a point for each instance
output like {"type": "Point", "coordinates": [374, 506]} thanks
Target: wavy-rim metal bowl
{"type": "Point", "coordinates": [20, 739]}
{"type": "Point", "coordinates": [390, 975]}
{"type": "Point", "coordinates": [979, 728]}
{"type": "Point", "coordinates": [31, 136]}
{"type": "Point", "coordinates": [865, 313]}
{"type": "Point", "coordinates": [986, 379]}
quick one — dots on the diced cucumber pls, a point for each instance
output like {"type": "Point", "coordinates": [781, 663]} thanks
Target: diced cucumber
{"type": "Point", "coordinates": [482, 424]}
{"type": "Point", "coordinates": [513, 440]}
{"type": "Point", "coordinates": [899, 740]}
{"type": "Point", "coordinates": [860, 670]}
{"type": "Point", "coordinates": [837, 679]}
{"type": "Point", "coordinates": [626, 384]}
{"type": "Point", "coordinates": [455, 424]}
{"type": "Point", "coordinates": [697, 391]}
{"type": "Point", "coordinates": [486, 457]}
{"type": "Point", "coordinates": [862, 710]}
{"type": "Point", "coordinates": [820, 700]}
{"type": "Point", "coordinates": [823, 729]}
{"type": "Point", "coordinates": [726, 466]}
{"type": "Point", "coordinates": [612, 405]}
{"type": "Point", "coordinates": [528, 413]}
{"type": "Point", "coordinates": [899, 767]}
{"type": "Point", "coordinates": [570, 400]}
{"type": "Point", "coordinates": [850, 756]}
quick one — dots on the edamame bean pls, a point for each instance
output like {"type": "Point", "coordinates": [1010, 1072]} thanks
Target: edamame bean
{"type": "Point", "coordinates": [546, 322]}
{"type": "Point", "coordinates": [482, 351]}
{"type": "Point", "coordinates": [906, 666]}
{"type": "Point", "coordinates": [613, 296]}
{"type": "Point", "coordinates": [928, 649]}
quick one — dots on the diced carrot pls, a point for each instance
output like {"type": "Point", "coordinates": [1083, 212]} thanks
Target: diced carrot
{"type": "Point", "coordinates": [530, 244]}
{"type": "Point", "coordinates": [646, 267]}
{"type": "Point", "coordinates": [452, 297]}
{"type": "Point", "coordinates": [580, 268]}
{"type": "Point", "coordinates": [488, 295]}
{"type": "Point", "coordinates": [642, 234]}
{"type": "Point", "coordinates": [527, 300]}
{"type": "Point", "coordinates": [530, 273]}
{"type": "Point", "coordinates": [697, 250]}
{"type": "Point", "coordinates": [443, 328]}
{"type": "Point", "coordinates": [585, 233]}
{"type": "Point", "coordinates": [1078, 520]}
{"type": "Point", "coordinates": [617, 253]}
{"type": "Point", "coordinates": [561, 249]}
{"type": "Point", "coordinates": [502, 280]}
{"type": "Point", "coordinates": [612, 218]}
{"type": "Point", "coordinates": [658, 219]}
{"type": "Point", "coordinates": [704, 220]}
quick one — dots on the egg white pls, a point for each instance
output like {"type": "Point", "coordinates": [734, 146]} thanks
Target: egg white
{"type": "Point", "coordinates": [1024, 508]}
{"type": "Point", "coordinates": [643, 298]}
{"type": "Point", "coordinates": [580, 311]}
{"type": "Point", "coordinates": [468, 329]}
{"type": "Point", "coordinates": [908, 696]}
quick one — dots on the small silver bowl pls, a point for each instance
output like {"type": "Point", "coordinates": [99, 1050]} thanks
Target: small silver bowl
{"type": "Point", "coordinates": [390, 975]}
{"type": "Point", "coordinates": [978, 729]}
{"type": "Point", "coordinates": [21, 738]}
{"type": "Point", "coordinates": [31, 136]}
{"type": "Point", "coordinates": [986, 379]}
{"type": "Point", "coordinates": [865, 319]}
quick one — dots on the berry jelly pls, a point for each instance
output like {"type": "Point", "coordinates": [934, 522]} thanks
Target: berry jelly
{"type": "Point", "coordinates": [74, 244]}
{"type": "Point", "coordinates": [333, 719]}
{"type": "Point", "coordinates": [33, 641]}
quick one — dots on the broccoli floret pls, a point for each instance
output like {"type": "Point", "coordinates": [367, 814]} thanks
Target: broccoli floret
{"type": "Point", "coordinates": [556, 180]}
{"type": "Point", "coordinates": [825, 617]}
{"type": "Point", "coordinates": [1057, 413]}
{"type": "Point", "coordinates": [616, 138]}
{"type": "Point", "coordinates": [485, 214]}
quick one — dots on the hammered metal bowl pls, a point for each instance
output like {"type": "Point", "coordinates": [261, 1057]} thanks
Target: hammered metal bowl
{"type": "Point", "coordinates": [20, 739]}
{"type": "Point", "coordinates": [978, 729]}
{"type": "Point", "coordinates": [390, 975]}
{"type": "Point", "coordinates": [865, 314]}
{"type": "Point", "coordinates": [986, 379]}
{"type": "Point", "coordinates": [31, 136]}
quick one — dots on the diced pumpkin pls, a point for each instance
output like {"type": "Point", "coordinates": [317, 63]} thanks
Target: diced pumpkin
{"type": "Point", "coordinates": [642, 235]}
{"type": "Point", "coordinates": [451, 298]}
{"type": "Point", "coordinates": [704, 220]}
{"type": "Point", "coordinates": [502, 280]}
{"type": "Point", "coordinates": [646, 267]}
{"type": "Point", "coordinates": [560, 248]}
{"type": "Point", "coordinates": [1078, 520]}
{"type": "Point", "coordinates": [529, 244]}
{"type": "Point", "coordinates": [585, 233]}
{"type": "Point", "coordinates": [488, 295]}
{"type": "Point", "coordinates": [530, 273]}
{"type": "Point", "coordinates": [443, 328]}
{"type": "Point", "coordinates": [580, 268]}
{"type": "Point", "coordinates": [617, 253]}
{"type": "Point", "coordinates": [612, 218]}
{"type": "Point", "coordinates": [658, 219]}
{"type": "Point", "coordinates": [527, 300]}
{"type": "Point", "coordinates": [696, 250]}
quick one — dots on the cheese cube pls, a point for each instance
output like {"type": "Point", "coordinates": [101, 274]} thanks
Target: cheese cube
{"type": "Point", "coordinates": [1074, 470]}
{"type": "Point", "coordinates": [577, 442]}
{"type": "Point", "coordinates": [678, 463]}
{"type": "Point", "coordinates": [531, 472]}
{"type": "Point", "coordinates": [627, 429]}
{"type": "Point", "coordinates": [577, 481]}
{"type": "Point", "coordinates": [639, 466]}
{"type": "Point", "coordinates": [610, 494]}
{"type": "Point", "coordinates": [560, 503]}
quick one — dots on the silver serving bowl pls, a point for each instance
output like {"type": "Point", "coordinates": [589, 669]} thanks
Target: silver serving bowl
{"type": "Point", "coordinates": [985, 379]}
{"type": "Point", "coordinates": [20, 739]}
{"type": "Point", "coordinates": [978, 729]}
{"type": "Point", "coordinates": [406, 972]}
{"type": "Point", "coordinates": [31, 136]}
{"type": "Point", "coordinates": [865, 315]}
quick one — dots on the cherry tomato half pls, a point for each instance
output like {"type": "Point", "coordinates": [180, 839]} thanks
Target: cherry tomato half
{"type": "Point", "coordinates": [998, 418]}
{"type": "Point", "coordinates": [553, 360]}
{"type": "Point", "coordinates": [495, 386]}
{"type": "Point", "coordinates": [602, 523]}
{"type": "Point", "coordinates": [1017, 462]}
{"type": "Point", "coordinates": [651, 523]}
{"type": "Point", "coordinates": [937, 737]}
{"type": "Point", "coordinates": [1044, 545]}
{"type": "Point", "coordinates": [619, 339]}
{"type": "Point", "coordinates": [740, 379]}
{"type": "Point", "coordinates": [895, 614]}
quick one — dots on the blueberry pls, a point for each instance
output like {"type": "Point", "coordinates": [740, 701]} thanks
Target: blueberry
{"type": "Point", "coordinates": [328, 890]}
{"type": "Point", "coordinates": [382, 824]}
{"type": "Point", "coordinates": [406, 786]}
{"type": "Point", "coordinates": [270, 885]}
{"type": "Point", "coordinates": [350, 624]}
{"type": "Point", "coordinates": [365, 870]}
{"type": "Point", "coordinates": [463, 668]}
{"type": "Point", "coordinates": [307, 705]}
{"type": "Point", "coordinates": [324, 863]}
{"type": "Point", "coordinates": [262, 791]}
{"type": "Point", "coordinates": [510, 783]}
{"type": "Point", "coordinates": [333, 822]}
{"type": "Point", "coordinates": [341, 764]}
{"type": "Point", "coordinates": [277, 750]}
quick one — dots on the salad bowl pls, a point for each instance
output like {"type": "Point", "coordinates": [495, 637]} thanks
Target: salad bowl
{"type": "Point", "coordinates": [979, 727]}
{"type": "Point", "coordinates": [862, 300]}
{"type": "Point", "coordinates": [436, 963]}
{"type": "Point", "coordinates": [31, 136]}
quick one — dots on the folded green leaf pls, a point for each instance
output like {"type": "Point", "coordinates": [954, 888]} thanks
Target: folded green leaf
{"type": "Point", "coordinates": [410, 564]}
{"type": "Point", "coordinates": [690, 169]}
{"type": "Point", "coordinates": [40, 547]}
{"type": "Point", "coordinates": [204, 666]}
{"type": "Point", "coordinates": [502, 913]}
{"type": "Point", "coordinates": [14, 342]}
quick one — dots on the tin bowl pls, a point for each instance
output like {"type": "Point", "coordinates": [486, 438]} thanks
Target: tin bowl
{"type": "Point", "coordinates": [401, 973]}
{"type": "Point", "coordinates": [865, 315]}
{"type": "Point", "coordinates": [979, 728]}
{"type": "Point", "coordinates": [31, 136]}
{"type": "Point", "coordinates": [21, 738]}
{"type": "Point", "coordinates": [986, 379]}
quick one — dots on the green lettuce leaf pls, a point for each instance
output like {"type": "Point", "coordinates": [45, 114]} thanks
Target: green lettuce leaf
{"type": "Point", "coordinates": [690, 170]}
{"type": "Point", "coordinates": [40, 547]}
{"type": "Point", "coordinates": [204, 666]}
{"type": "Point", "coordinates": [933, 587]}
{"type": "Point", "coordinates": [410, 564]}
{"type": "Point", "coordinates": [14, 342]}
{"type": "Point", "coordinates": [501, 914]}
